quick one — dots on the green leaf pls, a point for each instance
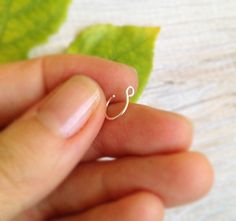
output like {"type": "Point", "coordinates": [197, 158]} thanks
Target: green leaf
{"type": "Point", "coordinates": [131, 45]}
{"type": "Point", "coordinates": [26, 23]}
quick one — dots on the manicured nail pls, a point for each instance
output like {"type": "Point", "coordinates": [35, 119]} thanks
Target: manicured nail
{"type": "Point", "coordinates": [68, 108]}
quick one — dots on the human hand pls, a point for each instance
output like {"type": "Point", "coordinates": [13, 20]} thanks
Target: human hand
{"type": "Point", "coordinates": [53, 133]}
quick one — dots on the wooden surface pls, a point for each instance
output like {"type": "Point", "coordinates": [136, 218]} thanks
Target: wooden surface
{"type": "Point", "coordinates": [194, 74]}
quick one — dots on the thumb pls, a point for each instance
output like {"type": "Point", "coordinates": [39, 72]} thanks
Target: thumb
{"type": "Point", "coordinates": [40, 149]}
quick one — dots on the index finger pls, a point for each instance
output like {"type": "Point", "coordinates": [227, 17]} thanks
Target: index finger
{"type": "Point", "coordinates": [24, 83]}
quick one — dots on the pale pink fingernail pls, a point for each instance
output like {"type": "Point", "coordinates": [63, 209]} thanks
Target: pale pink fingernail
{"type": "Point", "coordinates": [68, 108]}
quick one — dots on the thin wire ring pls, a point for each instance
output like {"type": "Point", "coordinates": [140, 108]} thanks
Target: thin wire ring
{"type": "Point", "coordinates": [129, 93]}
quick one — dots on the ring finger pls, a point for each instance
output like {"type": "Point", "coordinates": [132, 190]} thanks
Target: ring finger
{"type": "Point", "coordinates": [176, 178]}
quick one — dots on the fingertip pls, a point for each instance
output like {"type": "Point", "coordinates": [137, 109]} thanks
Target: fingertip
{"type": "Point", "coordinates": [124, 76]}
{"type": "Point", "coordinates": [201, 173]}
{"type": "Point", "coordinates": [174, 132]}
{"type": "Point", "coordinates": [143, 206]}
{"type": "Point", "coordinates": [184, 131]}
{"type": "Point", "coordinates": [132, 73]}
{"type": "Point", "coordinates": [193, 178]}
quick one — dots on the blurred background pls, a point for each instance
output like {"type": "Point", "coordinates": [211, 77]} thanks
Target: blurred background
{"type": "Point", "coordinates": [194, 74]}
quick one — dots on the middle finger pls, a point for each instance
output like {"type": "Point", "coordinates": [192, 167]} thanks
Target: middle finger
{"type": "Point", "coordinates": [141, 131]}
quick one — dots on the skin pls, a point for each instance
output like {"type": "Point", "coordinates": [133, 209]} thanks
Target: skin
{"type": "Point", "coordinates": [44, 176]}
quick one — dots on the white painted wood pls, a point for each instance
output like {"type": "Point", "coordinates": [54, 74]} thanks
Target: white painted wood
{"type": "Point", "coordinates": [194, 74]}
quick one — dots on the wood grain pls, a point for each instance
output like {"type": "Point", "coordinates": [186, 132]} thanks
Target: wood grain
{"type": "Point", "coordinates": [194, 74]}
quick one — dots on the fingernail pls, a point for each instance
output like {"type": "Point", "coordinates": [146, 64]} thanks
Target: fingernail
{"type": "Point", "coordinates": [69, 107]}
